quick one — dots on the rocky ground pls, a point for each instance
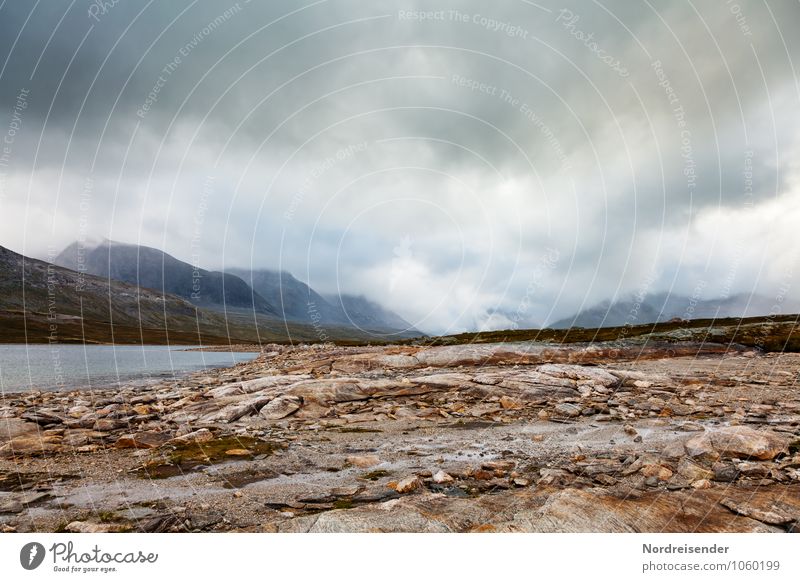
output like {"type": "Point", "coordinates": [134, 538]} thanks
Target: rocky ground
{"type": "Point", "coordinates": [492, 437]}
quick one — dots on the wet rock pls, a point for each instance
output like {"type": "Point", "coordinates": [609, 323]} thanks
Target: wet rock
{"type": "Point", "coordinates": [199, 436]}
{"type": "Point", "coordinates": [18, 502]}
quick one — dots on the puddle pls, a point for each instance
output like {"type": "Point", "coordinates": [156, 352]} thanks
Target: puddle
{"type": "Point", "coordinates": [194, 456]}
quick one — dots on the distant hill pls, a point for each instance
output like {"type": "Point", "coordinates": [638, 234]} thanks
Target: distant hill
{"type": "Point", "coordinates": [661, 307]}
{"type": "Point", "coordinates": [154, 269]}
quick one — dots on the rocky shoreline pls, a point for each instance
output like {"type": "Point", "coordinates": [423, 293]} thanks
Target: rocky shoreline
{"type": "Point", "coordinates": [616, 437]}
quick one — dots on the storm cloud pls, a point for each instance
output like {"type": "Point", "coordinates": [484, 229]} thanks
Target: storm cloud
{"type": "Point", "coordinates": [467, 164]}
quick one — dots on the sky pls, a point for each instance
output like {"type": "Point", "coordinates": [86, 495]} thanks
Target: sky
{"type": "Point", "coordinates": [469, 165]}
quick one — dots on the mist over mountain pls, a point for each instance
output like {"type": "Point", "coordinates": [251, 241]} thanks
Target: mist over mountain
{"type": "Point", "coordinates": [264, 293]}
{"type": "Point", "coordinates": [154, 269]}
{"type": "Point", "coordinates": [293, 299]}
{"type": "Point", "coordinates": [661, 307]}
{"type": "Point", "coordinates": [366, 314]}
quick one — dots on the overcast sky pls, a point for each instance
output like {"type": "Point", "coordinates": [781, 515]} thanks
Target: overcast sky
{"type": "Point", "coordinates": [467, 164]}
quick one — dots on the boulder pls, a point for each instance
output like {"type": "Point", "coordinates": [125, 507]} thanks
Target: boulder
{"type": "Point", "coordinates": [281, 407]}
{"type": "Point", "coordinates": [737, 442]}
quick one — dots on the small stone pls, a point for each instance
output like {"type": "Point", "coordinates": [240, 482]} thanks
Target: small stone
{"type": "Point", "coordinates": [408, 484]}
{"type": "Point", "coordinates": [107, 425]}
{"type": "Point", "coordinates": [567, 409]}
{"type": "Point", "coordinates": [498, 466]}
{"type": "Point", "coordinates": [638, 438]}
{"type": "Point", "coordinates": [537, 438]}
{"type": "Point", "coordinates": [660, 472]}
{"type": "Point", "coordinates": [520, 482]}
{"type": "Point", "coordinates": [238, 452]}
{"type": "Point", "coordinates": [442, 477]}
{"type": "Point", "coordinates": [198, 436]}
{"type": "Point", "coordinates": [629, 430]}
{"type": "Point", "coordinates": [701, 484]}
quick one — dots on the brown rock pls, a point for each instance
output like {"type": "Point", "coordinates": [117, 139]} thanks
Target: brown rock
{"type": "Point", "coordinates": [199, 436]}
{"type": "Point", "coordinates": [737, 441]}
{"type": "Point", "coordinates": [509, 403]}
{"type": "Point", "coordinates": [692, 471]}
{"type": "Point", "coordinates": [408, 484]}
{"type": "Point", "coordinates": [658, 471]}
{"type": "Point", "coordinates": [142, 440]}
{"type": "Point", "coordinates": [441, 477]}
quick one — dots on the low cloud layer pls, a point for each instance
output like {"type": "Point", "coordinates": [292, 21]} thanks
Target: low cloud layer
{"type": "Point", "coordinates": [468, 165]}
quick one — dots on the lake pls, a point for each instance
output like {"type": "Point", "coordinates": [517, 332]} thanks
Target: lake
{"type": "Point", "coordinates": [62, 367]}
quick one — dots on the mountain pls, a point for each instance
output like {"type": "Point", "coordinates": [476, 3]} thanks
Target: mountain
{"type": "Point", "coordinates": [661, 307]}
{"type": "Point", "coordinates": [367, 314]}
{"type": "Point", "coordinates": [298, 302]}
{"type": "Point", "coordinates": [43, 302]}
{"type": "Point", "coordinates": [154, 269]}
{"type": "Point", "coordinates": [293, 299]}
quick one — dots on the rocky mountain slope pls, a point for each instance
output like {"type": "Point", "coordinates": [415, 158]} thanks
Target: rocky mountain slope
{"type": "Point", "coordinates": [67, 305]}
{"type": "Point", "coordinates": [299, 302]}
{"type": "Point", "coordinates": [154, 269]}
{"type": "Point", "coordinates": [41, 302]}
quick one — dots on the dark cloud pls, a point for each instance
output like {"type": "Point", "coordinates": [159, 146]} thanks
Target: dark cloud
{"type": "Point", "coordinates": [427, 154]}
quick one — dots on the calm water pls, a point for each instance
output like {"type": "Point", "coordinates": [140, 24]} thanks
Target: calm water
{"type": "Point", "coordinates": [61, 367]}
